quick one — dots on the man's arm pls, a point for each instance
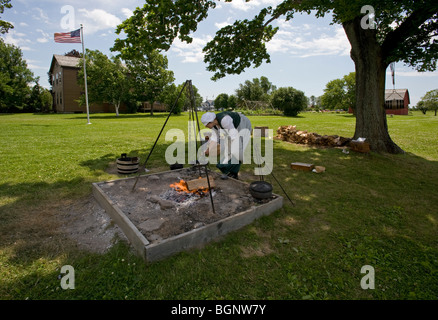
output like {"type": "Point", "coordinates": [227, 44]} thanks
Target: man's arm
{"type": "Point", "coordinates": [213, 148]}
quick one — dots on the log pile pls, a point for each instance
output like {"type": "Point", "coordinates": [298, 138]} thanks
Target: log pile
{"type": "Point", "coordinates": [291, 134]}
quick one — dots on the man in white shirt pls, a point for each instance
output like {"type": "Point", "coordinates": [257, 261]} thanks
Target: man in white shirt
{"type": "Point", "coordinates": [236, 130]}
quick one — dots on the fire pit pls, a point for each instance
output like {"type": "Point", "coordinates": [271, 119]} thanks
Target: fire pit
{"type": "Point", "coordinates": [172, 211]}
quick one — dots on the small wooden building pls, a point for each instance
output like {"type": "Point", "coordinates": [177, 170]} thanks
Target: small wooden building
{"type": "Point", "coordinates": [397, 101]}
{"type": "Point", "coordinates": [65, 89]}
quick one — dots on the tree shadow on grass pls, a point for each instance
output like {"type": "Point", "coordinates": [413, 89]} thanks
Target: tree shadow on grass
{"type": "Point", "coordinates": [29, 220]}
{"type": "Point", "coordinates": [108, 162]}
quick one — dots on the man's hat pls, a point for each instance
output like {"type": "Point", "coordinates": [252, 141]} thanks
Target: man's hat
{"type": "Point", "coordinates": [207, 118]}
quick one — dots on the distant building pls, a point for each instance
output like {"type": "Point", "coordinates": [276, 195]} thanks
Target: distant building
{"type": "Point", "coordinates": [208, 105]}
{"type": "Point", "coordinates": [65, 89]}
{"type": "Point", "coordinates": [396, 102]}
{"type": "Point", "coordinates": [157, 106]}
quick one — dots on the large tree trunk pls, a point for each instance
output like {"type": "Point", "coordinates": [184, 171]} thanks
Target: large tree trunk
{"type": "Point", "coordinates": [370, 88]}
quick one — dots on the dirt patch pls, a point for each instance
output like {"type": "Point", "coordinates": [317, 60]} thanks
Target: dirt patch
{"type": "Point", "coordinates": [87, 223]}
{"type": "Point", "coordinates": [159, 212]}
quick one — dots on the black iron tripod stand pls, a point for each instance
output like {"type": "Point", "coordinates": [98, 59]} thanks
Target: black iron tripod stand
{"type": "Point", "coordinates": [193, 115]}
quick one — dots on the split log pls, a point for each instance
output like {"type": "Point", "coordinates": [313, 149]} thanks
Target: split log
{"type": "Point", "coordinates": [302, 166]}
{"type": "Point", "coordinates": [202, 183]}
{"type": "Point", "coordinates": [292, 134]}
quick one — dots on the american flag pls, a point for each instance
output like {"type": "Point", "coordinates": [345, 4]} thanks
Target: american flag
{"type": "Point", "coordinates": [68, 37]}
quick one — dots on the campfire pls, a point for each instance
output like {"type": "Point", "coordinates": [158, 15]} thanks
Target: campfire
{"type": "Point", "coordinates": [188, 191]}
{"type": "Point", "coordinates": [183, 188]}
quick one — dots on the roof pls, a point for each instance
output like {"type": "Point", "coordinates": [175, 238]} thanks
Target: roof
{"type": "Point", "coordinates": [64, 61]}
{"type": "Point", "coordinates": [396, 94]}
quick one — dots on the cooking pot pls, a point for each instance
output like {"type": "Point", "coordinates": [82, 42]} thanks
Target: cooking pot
{"type": "Point", "coordinates": [260, 189]}
{"type": "Point", "coordinates": [176, 166]}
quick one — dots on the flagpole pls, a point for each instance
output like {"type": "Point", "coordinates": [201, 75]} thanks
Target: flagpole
{"type": "Point", "coordinates": [85, 75]}
{"type": "Point", "coordinates": [393, 74]}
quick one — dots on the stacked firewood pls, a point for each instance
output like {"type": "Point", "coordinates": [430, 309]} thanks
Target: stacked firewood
{"type": "Point", "coordinates": [291, 134]}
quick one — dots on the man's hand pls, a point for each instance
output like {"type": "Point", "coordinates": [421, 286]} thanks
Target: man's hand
{"type": "Point", "coordinates": [214, 147]}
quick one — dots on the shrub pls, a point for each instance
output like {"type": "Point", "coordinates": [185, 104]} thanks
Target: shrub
{"type": "Point", "coordinates": [289, 100]}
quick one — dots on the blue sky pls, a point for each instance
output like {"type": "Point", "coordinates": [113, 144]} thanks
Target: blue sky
{"type": "Point", "coordinates": [305, 54]}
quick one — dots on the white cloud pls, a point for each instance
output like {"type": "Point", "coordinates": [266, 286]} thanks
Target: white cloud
{"type": "Point", "coordinates": [97, 20]}
{"type": "Point", "coordinates": [243, 5]}
{"type": "Point", "coordinates": [17, 39]}
{"type": "Point", "coordinates": [45, 36]}
{"type": "Point", "coordinates": [191, 53]}
{"type": "Point", "coordinates": [220, 25]}
{"type": "Point", "coordinates": [308, 44]}
{"type": "Point", "coordinates": [41, 15]}
{"type": "Point", "coordinates": [127, 12]}
{"type": "Point", "coordinates": [246, 6]}
{"type": "Point", "coordinates": [31, 64]}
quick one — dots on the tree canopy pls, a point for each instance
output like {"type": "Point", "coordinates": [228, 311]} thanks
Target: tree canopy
{"type": "Point", "coordinates": [387, 31]}
{"type": "Point", "coordinates": [259, 89]}
{"type": "Point", "coordinates": [15, 78]}
{"type": "Point", "coordinates": [430, 101]}
{"type": "Point", "coordinates": [4, 25]}
{"type": "Point", "coordinates": [149, 73]}
{"type": "Point", "coordinates": [340, 93]}
{"type": "Point", "coordinates": [107, 79]}
{"type": "Point", "coordinates": [289, 100]}
{"type": "Point", "coordinates": [404, 29]}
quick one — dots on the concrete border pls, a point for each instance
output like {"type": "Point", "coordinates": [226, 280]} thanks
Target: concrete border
{"type": "Point", "coordinates": [194, 238]}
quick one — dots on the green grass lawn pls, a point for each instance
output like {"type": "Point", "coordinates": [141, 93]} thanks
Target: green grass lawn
{"type": "Point", "coordinates": [366, 209]}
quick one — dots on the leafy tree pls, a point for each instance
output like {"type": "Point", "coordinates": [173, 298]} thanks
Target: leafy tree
{"type": "Point", "coordinates": [15, 78]}
{"type": "Point", "coordinates": [333, 95]}
{"type": "Point", "coordinates": [73, 53]}
{"type": "Point", "coordinates": [386, 32]}
{"type": "Point", "coordinates": [255, 90]}
{"type": "Point", "coordinates": [430, 101]}
{"type": "Point", "coordinates": [46, 100]}
{"type": "Point", "coordinates": [340, 93]}
{"type": "Point", "coordinates": [312, 101]}
{"type": "Point", "coordinates": [5, 26]}
{"type": "Point", "coordinates": [198, 98]}
{"type": "Point", "coordinates": [232, 102]}
{"type": "Point", "coordinates": [149, 75]}
{"type": "Point", "coordinates": [291, 101]}
{"type": "Point", "coordinates": [221, 102]}
{"type": "Point", "coordinates": [106, 79]}
{"type": "Point", "coordinates": [35, 101]}
{"type": "Point", "coordinates": [421, 106]}
{"type": "Point", "coordinates": [350, 91]}
{"type": "Point", "coordinates": [170, 94]}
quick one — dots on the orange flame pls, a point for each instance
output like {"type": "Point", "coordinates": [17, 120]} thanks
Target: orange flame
{"type": "Point", "coordinates": [181, 186]}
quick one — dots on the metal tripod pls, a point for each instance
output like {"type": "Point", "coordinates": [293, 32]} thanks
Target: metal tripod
{"type": "Point", "coordinates": [193, 114]}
